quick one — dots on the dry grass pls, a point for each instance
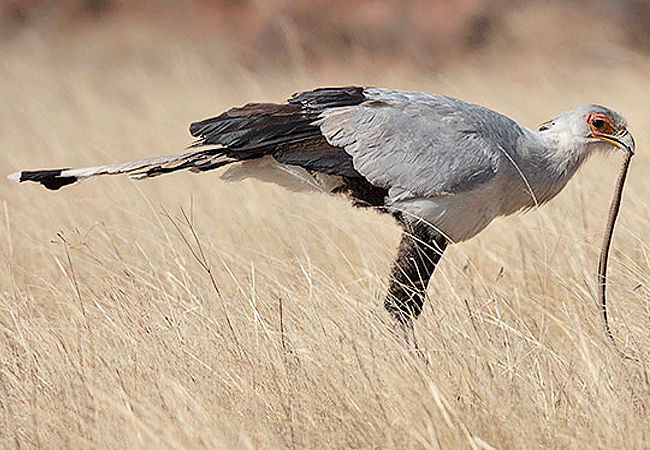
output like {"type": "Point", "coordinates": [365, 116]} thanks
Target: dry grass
{"type": "Point", "coordinates": [114, 336]}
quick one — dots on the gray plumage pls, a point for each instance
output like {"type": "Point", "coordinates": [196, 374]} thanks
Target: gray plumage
{"type": "Point", "coordinates": [455, 164]}
{"type": "Point", "coordinates": [443, 167]}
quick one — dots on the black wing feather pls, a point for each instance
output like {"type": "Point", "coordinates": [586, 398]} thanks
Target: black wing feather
{"type": "Point", "coordinates": [287, 132]}
{"type": "Point", "coordinates": [284, 131]}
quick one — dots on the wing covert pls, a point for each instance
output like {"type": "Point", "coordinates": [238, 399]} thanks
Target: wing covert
{"type": "Point", "coordinates": [421, 145]}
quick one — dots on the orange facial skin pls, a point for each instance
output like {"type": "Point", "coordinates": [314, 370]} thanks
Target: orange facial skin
{"type": "Point", "coordinates": [600, 124]}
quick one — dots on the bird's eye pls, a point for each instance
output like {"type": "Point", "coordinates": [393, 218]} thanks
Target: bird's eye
{"type": "Point", "coordinates": [598, 123]}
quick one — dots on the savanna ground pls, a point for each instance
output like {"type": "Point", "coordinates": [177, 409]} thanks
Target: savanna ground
{"type": "Point", "coordinates": [185, 312]}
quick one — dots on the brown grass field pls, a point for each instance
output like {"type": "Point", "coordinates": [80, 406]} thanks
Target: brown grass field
{"type": "Point", "coordinates": [119, 329]}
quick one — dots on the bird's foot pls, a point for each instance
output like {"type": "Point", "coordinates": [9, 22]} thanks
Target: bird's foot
{"type": "Point", "coordinates": [405, 333]}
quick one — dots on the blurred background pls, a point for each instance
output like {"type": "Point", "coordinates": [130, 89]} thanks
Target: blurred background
{"type": "Point", "coordinates": [424, 33]}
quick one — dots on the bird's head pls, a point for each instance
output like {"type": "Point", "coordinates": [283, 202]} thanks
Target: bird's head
{"type": "Point", "coordinates": [590, 127]}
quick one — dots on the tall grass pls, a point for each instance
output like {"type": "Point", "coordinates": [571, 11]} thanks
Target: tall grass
{"type": "Point", "coordinates": [185, 312]}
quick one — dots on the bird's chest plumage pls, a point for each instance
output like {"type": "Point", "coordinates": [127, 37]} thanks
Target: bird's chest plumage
{"type": "Point", "coordinates": [457, 216]}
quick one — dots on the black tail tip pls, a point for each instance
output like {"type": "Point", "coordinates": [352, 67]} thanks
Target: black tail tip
{"type": "Point", "coordinates": [51, 178]}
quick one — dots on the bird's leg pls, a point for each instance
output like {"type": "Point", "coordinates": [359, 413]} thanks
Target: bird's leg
{"type": "Point", "coordinates": [418, 253]}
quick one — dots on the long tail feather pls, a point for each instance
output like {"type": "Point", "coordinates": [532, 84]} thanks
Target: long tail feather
{"type": "Point", "coordinates": [287, 132]}
{"type": "Point", "coordinates": [144, 168]}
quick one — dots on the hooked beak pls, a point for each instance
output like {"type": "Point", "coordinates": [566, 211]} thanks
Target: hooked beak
{"type": "Point", "coordinates": [623, 140]}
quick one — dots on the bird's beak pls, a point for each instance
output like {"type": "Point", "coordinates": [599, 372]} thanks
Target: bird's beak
{"type": "Point", "coordinates": [623, 140]}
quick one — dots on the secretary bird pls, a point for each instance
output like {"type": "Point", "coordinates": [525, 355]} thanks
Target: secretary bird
{"type": "Point", "coordinates": [444, 168]}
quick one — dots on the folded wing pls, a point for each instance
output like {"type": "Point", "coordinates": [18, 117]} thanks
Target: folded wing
{"type": "Point", "coordinates": [420, 145]}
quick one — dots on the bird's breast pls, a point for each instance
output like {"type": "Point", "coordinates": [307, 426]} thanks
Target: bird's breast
{"type": "Point", "coordinates": [458, 216]}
